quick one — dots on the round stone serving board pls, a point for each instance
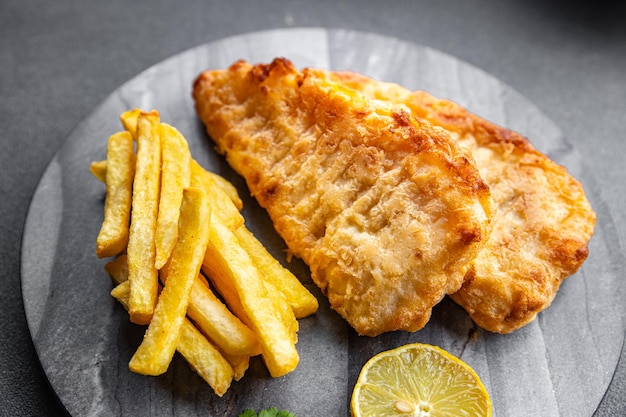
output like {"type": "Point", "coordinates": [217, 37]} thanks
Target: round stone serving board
{"type": "Point", "coordinates": [559, 365]}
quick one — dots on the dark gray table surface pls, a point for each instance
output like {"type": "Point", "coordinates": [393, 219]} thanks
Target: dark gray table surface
{"type": "Point", "coordinates": [60, 59]}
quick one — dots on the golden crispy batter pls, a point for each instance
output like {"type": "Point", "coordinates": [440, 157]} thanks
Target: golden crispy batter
{"type": "Point", "coordinates": [386, 211]}
{"type": "Point", "coordinates": [543, 220]}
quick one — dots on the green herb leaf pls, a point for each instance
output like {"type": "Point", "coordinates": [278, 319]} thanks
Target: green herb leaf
{"type": "Point", "coordinates": [269, 412]}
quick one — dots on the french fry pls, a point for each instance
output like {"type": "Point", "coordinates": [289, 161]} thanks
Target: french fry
{"type": "Point", "coordinates": [209, 314]}
{"type": "Point", "coordinates": [301, 300]}
{"type": "Point", "coordinates": [222, 205]}
{"type": "Point", "coordinates": [121, 292]}
{"type": "Point", "coordinates": [129, 121]}
{"type": "Point", "coordinates": [184, 219]}
{"type": "Point", "coordinates": [155, 352]}
{"type": "Point", "coordinates": [225, 257]}
{"type": "Point", "coordinates": [202, 356]}
{"type": "Point", "coordinates": [175, 176]}
{"type": "Point", "coordinates": [240, 364]}
{"type": "Point", "coordinates": [99, 170]}
{"type": "Point", "coordinates": [113, 236]}
{"type": "Point", "coordinates": [118, 269]}
{"type": "Point", "coordinates": [205, 359]}
{"type": "Point", "coordinates": [215, 320]}
{"type": "Point", "coordinates": [298, 296]}
{"type": "Point", "coordinates": [142, 272]}
{"type": "Point", "coordinates": [285, 313]}
{"type": "Point", "coordinates": [226, 289]}
{"type": "Point", "coordinates": [228, 188]}
{"type": "Point", "coordinates": [225, 285]}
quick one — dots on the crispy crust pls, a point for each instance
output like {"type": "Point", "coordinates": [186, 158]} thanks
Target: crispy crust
{"type": "Point", "coordinates": [387, 211]}
{"type": "Point", "coordinates": [543, 221]}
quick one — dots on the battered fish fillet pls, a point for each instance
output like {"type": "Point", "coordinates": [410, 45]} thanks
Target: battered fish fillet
{"type": "Point", "coordinates": [543, 220]}
{"type": "Point", "coordinates": [387, 211]}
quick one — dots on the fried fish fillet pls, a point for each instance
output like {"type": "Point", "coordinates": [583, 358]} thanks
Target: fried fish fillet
{"type": "Point", "coordinates": [543, 220]}
{"type": "Point", "coordinates": [386, 211]}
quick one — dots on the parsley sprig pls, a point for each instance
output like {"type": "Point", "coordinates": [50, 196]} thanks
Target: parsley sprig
{"type": "Point", "coordinates": [269, 412]}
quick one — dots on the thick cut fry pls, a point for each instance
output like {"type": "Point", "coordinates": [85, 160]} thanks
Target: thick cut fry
{"type": "Point", "coordinates": [220, 279]}
{"type": "Point", "coordinates": [228, 188]}
{"type": "Point", "coordinates": [202, 356]}
{"type": "Point", "coordinates": [214, 319]}
{"type": "Point", "coordinates": [113, 236]}
{"type": "Point", "coordinates": [210, 315]}
{"type": "Point", "coordinates": [300, 299]}
{"type": "Point", "coordinates": [227, 258]}
{"type": "Point", "coordinates": [121, 293]}
{"type": "Point", "coordinates": [175, 176]}
{"type": "Point", "coordinates": [129, 121]}
{"type": "Point", "coordinates": [226, 287]}
{"type": "Point", "coordinates": [159, 343]}
{"type": "Point", "coordinates": [205, 359]}
{"type": "Point", "coordinates": [240, 364]}
{"type": "Point", "coordinates": [284, 310]}
{"type": "Point", "coordinates": [118, 269]}
{"type": "Point", "coordinates": [99, 170]}
{"type": "Point", "coordinates": [142, 272]}
{"type": "Point", "coordinates": [222, 205]}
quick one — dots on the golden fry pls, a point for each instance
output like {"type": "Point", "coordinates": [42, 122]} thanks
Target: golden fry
{"type": "Point", "coordinates": [175, 176]}
{"type": "Point", "coordinates": [118, 269]}
{"type": "Point", "coordinates": [228, 188]}
{"type": "Point", "coordinates": [222, 205]}
{"type": "Point", "coordinates": [284, 310]}
{"type": "Point", "coordinates": [201, 355]}
{"type": "Point", "coordinates": [159, 343]}
{"type": "Point", "coordinates": [220, 279]}
{"type": "Point", "coordinates": [226, 257]}
{"type": "Point", "coordinates": [240, 364]}
{"type": "Point", "coordinates": [142, 272]}
{"type": "Point", "coordinates": [129, 121]}
{"type": "Point", "coordinates": [121, 293]}
{"type": "Point", "coordinates": [205, 359]}
{"type": "Point", "coordinates": [214, 319]}
{"type": "Point", "coordinates": [113, 236]}
{"type": "Point", "coordinates": [298, 296]}
{"type": "Point", "coordinates": [300, 299]}
{"type": "Point", "coordinates": [210, 315]}
{"type": "Point", "coordinates": [171, 233]}
{"type": "Point", "coordinates": [99, 170]}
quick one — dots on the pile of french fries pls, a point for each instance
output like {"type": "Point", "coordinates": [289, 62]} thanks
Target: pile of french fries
{"type": "Point", "coordinates": [176, 235]}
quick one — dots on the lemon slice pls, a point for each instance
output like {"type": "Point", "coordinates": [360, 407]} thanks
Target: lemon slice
{"type": "Point", "coordinates": [419, 380]}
